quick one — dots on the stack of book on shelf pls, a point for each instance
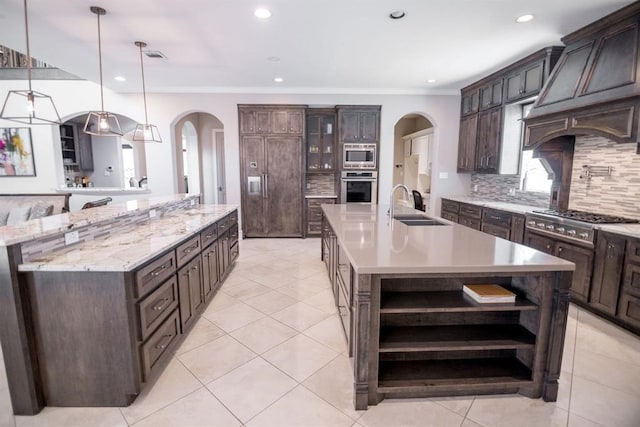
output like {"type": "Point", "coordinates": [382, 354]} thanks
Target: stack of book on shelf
{"type": "Point", "coordinates": [489, 293]}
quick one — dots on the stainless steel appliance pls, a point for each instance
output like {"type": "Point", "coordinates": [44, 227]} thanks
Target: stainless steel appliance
{"type": "Point", "coordinates": [359, 187]}
{"type": "Point", "coordinates": [569, 225]}
{"type": "Point", "coordinates": [359, 156]}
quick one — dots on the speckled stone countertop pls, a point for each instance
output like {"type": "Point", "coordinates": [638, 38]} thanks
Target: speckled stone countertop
{"type": "Point", "coordinates": [374, 246]}
{"type": "Point", "coordinates": [53, 224]}
{"type": "Point", "coordinates": [130, 247]}
{"type": "Point", "coordinates": [505, 206]}
{"type": "Point", "coordinates": [631, 230]}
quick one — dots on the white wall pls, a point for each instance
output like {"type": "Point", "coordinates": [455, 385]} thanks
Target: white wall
{"type": "Point", "coordinates": [72, 97]}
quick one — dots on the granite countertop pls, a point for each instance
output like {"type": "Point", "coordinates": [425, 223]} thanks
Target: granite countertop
{"type": "Point", "coordinates": [374, 246]}
{"type": "Point", "coordinates": [321, 196]}
{"type": "Point", "coordinates": [631, 230]}
{"type": "Point", "coordinates": [104, 190]}
{"type": "Point", "coordinates": [130, 247]}
{"type": "Point", "coordinates": [505, 206]}
{"type": "Point", "coordinates": [53, 224]}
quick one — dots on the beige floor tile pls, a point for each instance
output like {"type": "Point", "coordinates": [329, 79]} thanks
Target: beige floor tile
{"type": "Point", "coordinates": [570, 341]}
{"type": "Point", "coordinates": [199, 409]}
{"type": "Point", "coordinates": [211, 361]}
{"type": "Point", "coordinates": [203, 332]}
{"type": "Point", "coordinates": [300, 356]}
{"type": "Point", "coordinates": [245, 290]}
{"type": "Point", "coordinates": [458, 404]}
{"type": "Point", "coordinates": [263, 334]}
{"type": "Point", "coordinates": [300, 408]}
{"type": "Point", "coordinates": [604, 405]}
{"type": "Point", "coordinates": [174, 383]}
{"type": "Point", "coordinates": [270, 302]}
{"type": "Point", "coordinates": [619, 375]}
{"type": "Point", "coordinates": [578, 421]}
{"type": "Point", "coordinates": [599, 336]}
{"type": "Point", "coordinates": [329, 332]}
{"type": "Point", "coordinates": [273, 280]}
{"type": "Point", "coordinates": [408, 413]}
{"type": "Point", "coordinates": [234, 317]}
{"type": "Point", "coordinates": [323, 301]}
{"type": "Point", "coordinates": [73, 417]}
{"type": "Point", "coordinates": [250, 388]}
{"type": "Point", "coordinates": [299, 291]}
{"type": "Point", "coordinates": [470, 423]}
{"type": "Point", "coordinates": [508, 411]}
{"type": "Point", "coordinates": [564, 391]}
{"type": "Point", "coordinates": [334, 383]}
{"type": "Point", "coordinates": [300, 316]}
{"type": "Point", "coordinates": [221, 301]}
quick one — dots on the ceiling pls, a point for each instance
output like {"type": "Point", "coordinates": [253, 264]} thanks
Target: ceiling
{"type": "Point", "coordinates": [323, 46]}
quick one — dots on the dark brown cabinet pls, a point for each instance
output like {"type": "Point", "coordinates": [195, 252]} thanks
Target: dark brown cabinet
{"type": "Point", "coordinates": [524, 82]}
{"type": "Point", "coordinates": [255, 121]}
{"type": "Point", "coordinates": [470, 216]}
{"type": "Point", "coordinates": [607, 272]}
{"type": "Point", "coordinates": [287, 121]}
{"type": "Point", "coordinates": [191, 292]}
{"type": "Point", "coordinates": [467, 143]}
{"type": "Point", "coordinates": [210, 274]}
{"type": "Point", "coordinates": [359, 123]}
{"type": "Point", "coordinates": [491, 94]}
{"type": "Point", "coordinates": [314, 214]}
{"type": "Point", "coordinates": [488, 140]}
{"type": "Point", "coordinates": [470, 101]}
{"type": "Point", "coordinates": [321, 141]}
{"type": "Point", "coordinates": [76, 147]}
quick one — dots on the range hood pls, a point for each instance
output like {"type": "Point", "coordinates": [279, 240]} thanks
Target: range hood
{"type": "Point", "coordinates": [594, 87]}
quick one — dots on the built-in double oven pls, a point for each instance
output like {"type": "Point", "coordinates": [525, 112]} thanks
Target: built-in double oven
{"type": "Point", "coordinates": [359, 187]}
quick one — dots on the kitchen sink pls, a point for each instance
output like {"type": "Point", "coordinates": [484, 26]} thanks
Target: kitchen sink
{"type": "Point", "coordinates": [422, 220]}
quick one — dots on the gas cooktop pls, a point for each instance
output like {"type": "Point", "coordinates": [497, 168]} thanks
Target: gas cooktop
{"type": "Point", "coordinates": [592, 218]}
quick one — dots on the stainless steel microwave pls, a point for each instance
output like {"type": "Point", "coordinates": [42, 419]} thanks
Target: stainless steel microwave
{"type": "Point", "coordinates": [359, 156]}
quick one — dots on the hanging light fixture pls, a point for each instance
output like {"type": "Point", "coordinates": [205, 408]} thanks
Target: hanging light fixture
{"type": "Point", "coordinates": [145, 132]}
{"type": "Point", "coordinates": [101, 123]}
{"type": "Point", "coordinates": [29, 106]}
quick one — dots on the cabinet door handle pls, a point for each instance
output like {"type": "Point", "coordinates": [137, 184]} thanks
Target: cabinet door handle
{"type": "Point", "coordinates": [163, 304]}
{"type": "Point", "coordinates": [166, 342]}
{"type": "Point", "coordinates": [158, 270]}
{"type": "Point", "coordinates": [560, 249]}
{"type": "Point", "coordinates": [190, 249]}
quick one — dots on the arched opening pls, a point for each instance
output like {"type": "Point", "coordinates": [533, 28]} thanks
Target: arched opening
{"type": "Point", "coordinates": [103, 161]}
{"type": "Point", "coordinates": [413, 153]}
{"type": "Point", "coordinates": [199, 148]}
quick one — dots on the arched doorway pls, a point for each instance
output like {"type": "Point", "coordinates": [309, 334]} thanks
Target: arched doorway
{"type": "Point", "coordinates": [413, 148]}
{"type": "Point", "coordinates": [199, 148]}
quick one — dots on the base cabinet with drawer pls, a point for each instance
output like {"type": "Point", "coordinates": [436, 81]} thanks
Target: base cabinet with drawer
{"type": "Point", "coordinates": [101, 336]}
{"type": "Point", "coordinates": [314, 214]}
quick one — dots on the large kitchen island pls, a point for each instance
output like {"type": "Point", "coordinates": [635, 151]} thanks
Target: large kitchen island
{"type": "Point", "coordinates": [410, 329]}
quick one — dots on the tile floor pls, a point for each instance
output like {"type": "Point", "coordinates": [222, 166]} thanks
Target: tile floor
{"type": "Point", "coordinates": [269, 351]}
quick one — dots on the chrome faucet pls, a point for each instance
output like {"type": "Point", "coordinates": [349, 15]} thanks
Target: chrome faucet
{"type": "Point", "coordinates": [406, 190]}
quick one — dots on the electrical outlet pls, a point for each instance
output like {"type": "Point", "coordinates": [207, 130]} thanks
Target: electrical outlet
{"type": "Point", "coordinates": [475, 188]}
{"type": "Point", "coordinates": [71, 237]}
{"type": "Point", "coordinates": [512, 191]}
{"type": "Point", "coordinates": [152, 213]}
{"type": "Point", "coordinates": [193, 202]}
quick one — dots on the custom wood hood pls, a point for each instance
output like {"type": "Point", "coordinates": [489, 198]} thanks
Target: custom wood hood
{"type": "Point", "coordinates": [594, 88]}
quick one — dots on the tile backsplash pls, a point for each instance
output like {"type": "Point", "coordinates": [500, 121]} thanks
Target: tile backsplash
{"type": "Point", "coordinates": [617, 194]}
{"type": "Point", "coordinates": [321, 184]}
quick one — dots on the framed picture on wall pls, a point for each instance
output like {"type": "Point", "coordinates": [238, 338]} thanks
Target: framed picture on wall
{"type": "Point", "coordinates": [16, 152]}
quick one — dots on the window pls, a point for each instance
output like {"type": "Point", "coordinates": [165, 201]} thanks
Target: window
{"type": "Point", "coordinates": [534, 176]}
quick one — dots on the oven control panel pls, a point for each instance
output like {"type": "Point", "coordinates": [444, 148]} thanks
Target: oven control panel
{"type": "Point", "coordinates": [562, 228]}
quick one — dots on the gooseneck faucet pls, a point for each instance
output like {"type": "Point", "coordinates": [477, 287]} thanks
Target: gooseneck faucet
{"type": "Point", "coordinates": [406, 190]}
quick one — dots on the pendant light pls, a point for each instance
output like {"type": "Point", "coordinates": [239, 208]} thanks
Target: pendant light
{"type": "Point", "coordinates": [101, 123]}
{"type": "Point", "coordinates": [28, 106]}
{"type": "Point", "coordinates": [145, 132]}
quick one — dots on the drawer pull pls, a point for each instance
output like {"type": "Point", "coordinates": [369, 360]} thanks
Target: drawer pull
{"type": "Point", "coordinates": [166, 343]}
{"type": "Point", "coordinates": [208, 236]}
{"type": "Point", "coordinates": [342, 311]}
{"type": "Point", "coordinates": [158, 270]}
{"type": "Point", "coordinates": [163, 304]}
{"type": "Point", "coordinates": [495, 217]}
{"type": "Point", "coordinates": [190, 249]}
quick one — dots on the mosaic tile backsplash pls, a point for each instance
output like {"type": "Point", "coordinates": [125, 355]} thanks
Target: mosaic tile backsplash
{"type": "Point", "coordinates": [618, 194]}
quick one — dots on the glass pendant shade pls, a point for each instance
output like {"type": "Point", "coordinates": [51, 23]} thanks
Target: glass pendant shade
{"type": "Point", "coordinates": [28, 106]}
{"type": "Point", "coordinates": [145, 132]}
{"type": "Point", "coordinates": [101, 123]}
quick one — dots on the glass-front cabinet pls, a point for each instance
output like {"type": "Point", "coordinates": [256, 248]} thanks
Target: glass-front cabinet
{"type": "Point", "coordinates": [321, 147]}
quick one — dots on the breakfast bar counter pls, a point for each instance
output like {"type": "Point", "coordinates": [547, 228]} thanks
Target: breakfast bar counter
{"type": "Point", "coordinates": [411, 330]}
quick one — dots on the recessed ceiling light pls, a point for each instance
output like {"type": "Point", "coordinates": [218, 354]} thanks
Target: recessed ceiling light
{"type": "Point", "coordinates": [273, 59]}
{"type": "Point", "coordinates": [120, 79]}
{"type": "Point", "coordinates": [524, 18]}
{"type": "Point", "coordinates": [278, 79]}
{"type": "Point", "coordinates": [397, 14]}
{"type": "Point", "coordinates": [262, 13]}
{"type": "Point", "coordinates": [431, 81]}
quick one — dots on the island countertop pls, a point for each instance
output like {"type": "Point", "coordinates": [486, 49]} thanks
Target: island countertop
{"type": "Point", "coordinates": [373, 246]}
{"type": "Point", "coordinates": [132, 246]}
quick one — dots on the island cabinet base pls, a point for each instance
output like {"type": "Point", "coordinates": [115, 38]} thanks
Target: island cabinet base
{"type": "Point", "coordinates": [421, 336]}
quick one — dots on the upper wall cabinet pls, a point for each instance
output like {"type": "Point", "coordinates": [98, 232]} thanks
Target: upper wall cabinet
{"type": "Point", "coordinates": [286, 121]}
{"type": "Point", "coordinates": [482, 144]}
{"type": "Point", "coordinates": [359, 123]}
{"type": "Point", "coordinates": [268, 119]}
{"type": "Point", "coordinates": [255, 121]}
{"type": "Point", "coordinates": [76, 147]}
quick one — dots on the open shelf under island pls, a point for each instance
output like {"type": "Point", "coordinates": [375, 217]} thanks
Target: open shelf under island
{"type": "Point", "coordinates": [411, 332]}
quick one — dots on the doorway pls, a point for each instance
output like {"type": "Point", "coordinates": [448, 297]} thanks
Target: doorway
{"type": "Point", "coordinates": [199, 152]}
